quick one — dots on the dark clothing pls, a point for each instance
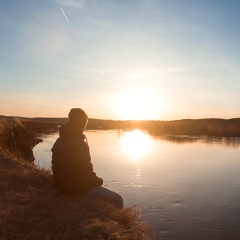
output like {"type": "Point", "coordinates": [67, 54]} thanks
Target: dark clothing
{"type": "Point", "coordinates": [71, 162]}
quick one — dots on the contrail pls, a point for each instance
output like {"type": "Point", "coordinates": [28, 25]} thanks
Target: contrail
{"type": "Point", "coordinates": [64, 14]}
{"type": "Point", "coordinates": [93, 75]}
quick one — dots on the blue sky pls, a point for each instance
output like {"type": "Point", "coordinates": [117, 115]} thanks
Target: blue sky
{"type": "Point", "coordinates": [138, 59]}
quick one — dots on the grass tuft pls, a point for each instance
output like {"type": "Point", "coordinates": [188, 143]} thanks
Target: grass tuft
{"type": "Point", "coordinates": [31, 209]}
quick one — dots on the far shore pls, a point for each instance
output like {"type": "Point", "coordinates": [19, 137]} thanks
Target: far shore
{"type": "Point", "coordinates": [206, 126]}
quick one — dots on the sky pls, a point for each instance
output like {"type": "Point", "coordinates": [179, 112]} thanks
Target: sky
{"type": "Point", "coordinates": [120, 59]}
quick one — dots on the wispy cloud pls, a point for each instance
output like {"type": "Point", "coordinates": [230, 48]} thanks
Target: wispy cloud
{"type": "Point", "coordinates": [71, 3]}
{"type": "Point", "coordinates": [174, 69]}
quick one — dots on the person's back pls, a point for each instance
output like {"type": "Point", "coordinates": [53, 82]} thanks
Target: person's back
{"type": "Point", "coordinates": [71, 162]}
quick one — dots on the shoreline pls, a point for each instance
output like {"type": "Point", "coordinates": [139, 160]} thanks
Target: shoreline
{"type": "Point", "coordinates": [30, 208]}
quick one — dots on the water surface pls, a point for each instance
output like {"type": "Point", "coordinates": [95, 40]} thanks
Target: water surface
{"type": "Point", "coordinates": [187, 187]}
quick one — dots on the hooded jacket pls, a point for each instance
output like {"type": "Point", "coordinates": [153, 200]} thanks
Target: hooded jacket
{"type": "Point", "coordinates": [71, 162]}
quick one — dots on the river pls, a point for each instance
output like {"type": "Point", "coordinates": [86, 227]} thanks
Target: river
{"type": "Point", "coordinates": [188, 188]}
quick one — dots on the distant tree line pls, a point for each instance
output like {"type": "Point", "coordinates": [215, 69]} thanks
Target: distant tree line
{"type": "Point", "coordinates": [207, 126]}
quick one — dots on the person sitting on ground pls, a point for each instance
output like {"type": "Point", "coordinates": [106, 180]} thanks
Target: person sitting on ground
{"type": "Point", "coordinates": [72, 168]}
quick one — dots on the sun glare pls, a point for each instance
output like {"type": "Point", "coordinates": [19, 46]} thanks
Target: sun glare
{"type": "Point", "coordinates": [137, 104]}
{"type": "Point", "coordinates": [136, 144]}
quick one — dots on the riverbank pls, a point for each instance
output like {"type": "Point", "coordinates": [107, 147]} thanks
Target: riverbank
{"type": "Point", "coordinates": [31, 209]}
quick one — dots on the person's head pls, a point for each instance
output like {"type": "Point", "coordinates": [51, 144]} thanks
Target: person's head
{"type": "Point", "coordinates": [78, 118]}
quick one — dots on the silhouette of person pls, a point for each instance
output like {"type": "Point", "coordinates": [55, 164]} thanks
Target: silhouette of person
{"type": "Point", "coordinates": [72, 168]}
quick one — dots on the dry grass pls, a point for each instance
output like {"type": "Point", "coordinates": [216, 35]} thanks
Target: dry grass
{"type": "Point", "coordinates": [31, 209]}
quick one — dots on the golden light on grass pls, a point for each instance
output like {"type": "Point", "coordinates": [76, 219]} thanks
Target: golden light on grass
{"type": "Point", "coordinates": [136, 144]}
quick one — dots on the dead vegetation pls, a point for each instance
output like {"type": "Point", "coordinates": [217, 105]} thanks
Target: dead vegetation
{"type": "Point", "coordinates": [31, 209]}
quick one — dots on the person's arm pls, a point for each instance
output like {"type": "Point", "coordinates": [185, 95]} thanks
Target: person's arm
{"type": "Point", "coordinates": [88, 167]}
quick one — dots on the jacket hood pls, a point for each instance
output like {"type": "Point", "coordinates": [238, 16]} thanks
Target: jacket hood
{"type": "Point", "coordinates": [71, 131]}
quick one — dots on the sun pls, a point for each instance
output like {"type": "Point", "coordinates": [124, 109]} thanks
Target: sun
{"type": "Point", "coordinates": [137, 104]}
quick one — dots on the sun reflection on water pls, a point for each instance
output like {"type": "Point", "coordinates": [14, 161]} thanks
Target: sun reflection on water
{"type": "Point", "coordinates": [136, 144]}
